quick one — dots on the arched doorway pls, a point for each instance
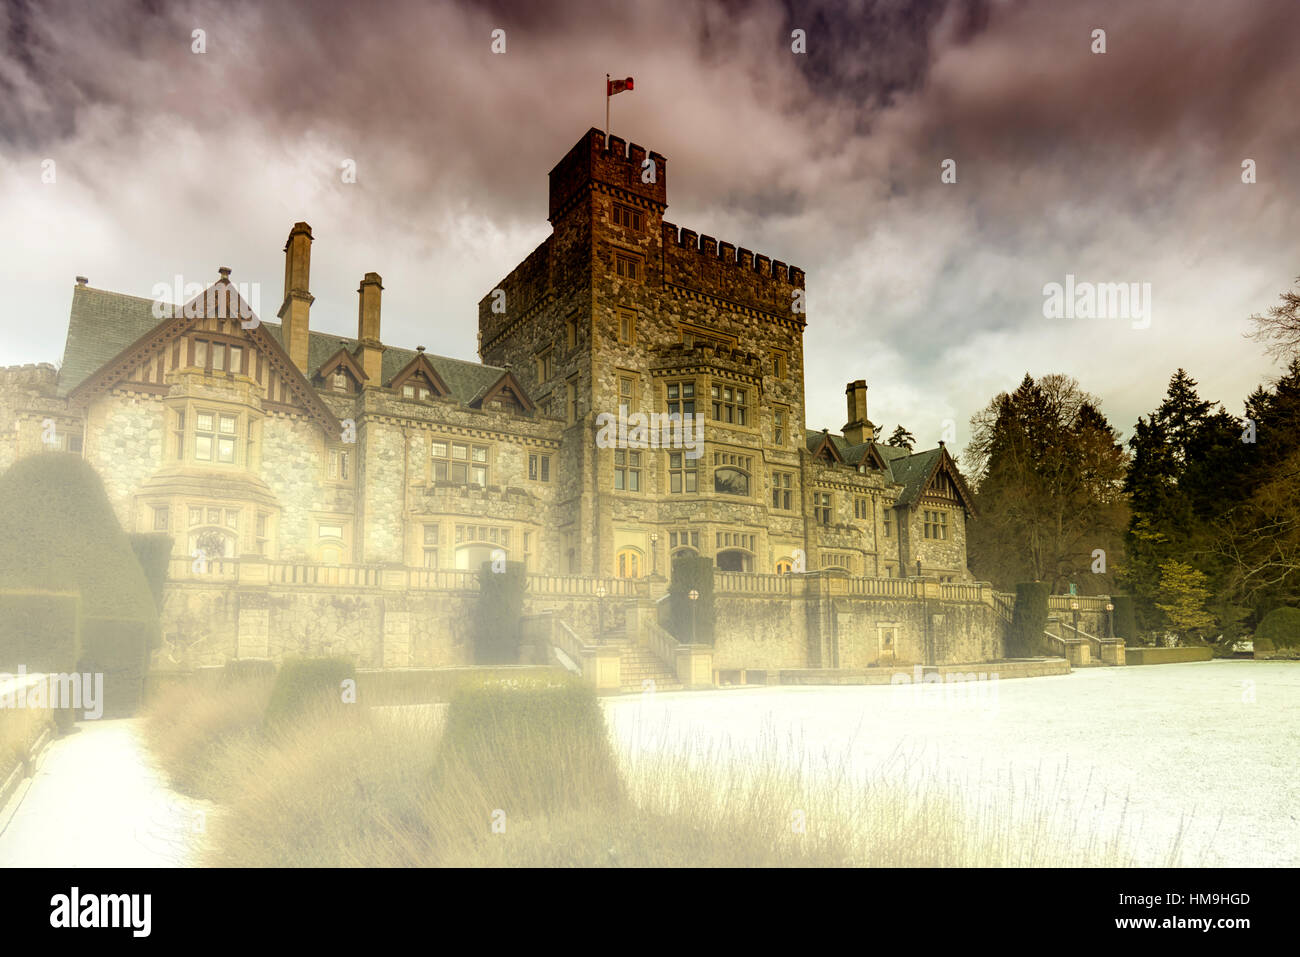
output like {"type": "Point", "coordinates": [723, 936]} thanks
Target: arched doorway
{"type": "Point", "coordinates": [473, 556]}
{"type": "Point", "coordinates": [734, 560]}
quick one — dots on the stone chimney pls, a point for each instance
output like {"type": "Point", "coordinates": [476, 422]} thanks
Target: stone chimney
{"type": "Point", "coordinates": [371, 349]}
{"type": "Point", "coordinates": [296, 309]}
{"type": "Point", "coordinates": [858, 429]}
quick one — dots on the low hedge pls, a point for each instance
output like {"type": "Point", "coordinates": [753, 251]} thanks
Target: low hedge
{"type": "Point", "coordinates": [305, 683]}
{"type": "Point", "coordinates": [247, 669]}
{"type": "Point", "coordinates": [40, 630]}
{"type": "Point", "coordinates": [1279, 629]}
{"type": "Point", "coordinates": [528, 746]}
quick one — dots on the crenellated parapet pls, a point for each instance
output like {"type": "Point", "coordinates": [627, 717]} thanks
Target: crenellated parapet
{"type": "Point", "coordinates": [705, 265]}
{"type": "Point", "coordinates": [616, 164]}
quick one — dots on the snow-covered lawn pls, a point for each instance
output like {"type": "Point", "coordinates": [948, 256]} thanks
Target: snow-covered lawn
{"type": "Point", "coordinates": [1209, 746]}
{"type": "Point", "coordinates": [96, 800]}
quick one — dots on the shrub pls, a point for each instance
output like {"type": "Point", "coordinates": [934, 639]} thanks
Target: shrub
{"type": "Point", "coordinates": [153, 550]}
{"type": "Point", "coordinates": [497, 613]}
{"type": "Point", "coordinates": [189, 724]}
{"type": "Point", "coordinates": [307, 683]}
{"type": "Point", "coordinates": [116, 648]}
{"type": "Point", "coordinates": [1125, 618]}
{"type": "Point", "coordinates": [691, 625]}
{"type": "Point", "coordinates": [525, 746]}
{"type": "Point", "coordinates": [41, 631]}
{"type": "Point", "coordinates": [59, 532]}
{"type": "Point", "coordinates": [1028, 620]}
{"type": "Point", "coordinates": [1280, 628]}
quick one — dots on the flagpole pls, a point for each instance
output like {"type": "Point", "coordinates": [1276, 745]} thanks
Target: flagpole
{"type": "Point", "coordinates": [606, 111]}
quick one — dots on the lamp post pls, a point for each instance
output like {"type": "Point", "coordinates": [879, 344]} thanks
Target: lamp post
{"type": "Point", "coordinates": [600, 605]}
{"type": "Point", "coordinates": [654, 553]}
{"type": "Point", "coordinates": [1110, 620]}
{"type": "Point", "coordinates": [694, 596]}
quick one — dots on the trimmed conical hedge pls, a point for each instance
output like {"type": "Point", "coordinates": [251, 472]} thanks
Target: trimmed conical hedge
{"type": "Point", "coordinates": [58, 532]}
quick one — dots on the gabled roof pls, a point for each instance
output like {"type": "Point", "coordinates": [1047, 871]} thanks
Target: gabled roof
{"type": "Point", "coordinates": [819, 442]}
{"type": "Point", "coordinates": [507, 383]}
{"type": "Point", "coordinates": [220, 295]}
{"type": "Point", "coordinates": [420, 366]}
{"type": "Point", "coordinates": [101, 324]}
{"type": "Point", "coordinates": [345, 359]}
{"type": "Point", "coordinates": [912, 470]}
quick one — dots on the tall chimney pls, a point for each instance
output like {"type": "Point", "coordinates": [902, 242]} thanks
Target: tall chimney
{"type": "Point", "coordinates": [372, 350]}
{"type": "Point", "coordinates": [296, 309]}
{"type": "Point", "coordinates": [858, 429]}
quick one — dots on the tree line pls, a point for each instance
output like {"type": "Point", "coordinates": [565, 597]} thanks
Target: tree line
{"type": "Point", "coordinates": [1197, 516]}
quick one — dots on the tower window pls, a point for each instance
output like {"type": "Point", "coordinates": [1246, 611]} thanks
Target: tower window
{"type": "Point", "coordinates": [627, 217]}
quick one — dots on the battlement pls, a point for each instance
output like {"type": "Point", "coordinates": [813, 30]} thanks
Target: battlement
{"type": "Point", "coordinates": [33, 377]}
{"type": "Point", "coordinates": [619, 165]}
{"type": "Point", "coordinates": [706, 265]}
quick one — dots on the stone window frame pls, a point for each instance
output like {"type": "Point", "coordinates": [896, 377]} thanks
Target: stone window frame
{"type": "Point", "coordinates": [675, 403]}
{"type": "Point", "coordinates": [823, 507]}
{"type": "Point", "coordinates": [161, 517]}
{"type": "Point", "coordinates": [629, 558]}
{"type": "Point", "coordinates": [742, 464]}
{"type": "Point", "coordinates": [625, 318]}
{"type": "Point", "coordinates": [539, 466]}
{"type": "Point", "coordinates": [624, 377]}
{"type": "Point", "coordinates": [430, 544]}
{"type": "Point", "coordinates": [842, 560]}
{"type": "Point", "coordinates": [629, 217]}
{"type": "Point", "coordinates": [571, 400]}
{"type": "Point", "coordinates": [781, 425]}
{"type": "Point", "coordinates": [783, 490]}
{"type": "Point", "coordinates": [683, 472]}
{"type": "Point", "coordinates": [629, 468]}
{"type": "Point", "coordinates": [571, 332]}
{"type": "Point", "coordinates": [733, 412]}
{"type": "Point", "coordinates": [628, 265]}
{"type": "Point", "coordinates": [545, 364]}
{"type": "Point", "coordinates": [861, 507]}
{"type": "Point", "coordinates": [887, 522]}
{"type": "Point", "coordinates": [780, 364]}
{"type": "Point", "coordinates": [340, 465]}
{"type": "Point", "coordinates": [451, 461]}
{"type": "Point", "coordinates": [935, 525]}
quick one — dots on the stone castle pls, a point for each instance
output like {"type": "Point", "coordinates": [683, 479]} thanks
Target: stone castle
{"type": "Point", "coordinates": [284, 456]}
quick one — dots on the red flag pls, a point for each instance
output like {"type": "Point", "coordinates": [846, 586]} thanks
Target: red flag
{"type": "Point", "coordinates": [617, 86]}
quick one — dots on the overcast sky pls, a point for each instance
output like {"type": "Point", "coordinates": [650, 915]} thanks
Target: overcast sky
{"type": "Point", "coordinates": [1123, 166]}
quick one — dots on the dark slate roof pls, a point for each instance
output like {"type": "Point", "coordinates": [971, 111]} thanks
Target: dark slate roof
{"type": "Point", "coordinates": [100, 326]}
{"type": "Point", "coordinates": [103, 323]}
{"type": "Point", "coordinates": [908, 469]}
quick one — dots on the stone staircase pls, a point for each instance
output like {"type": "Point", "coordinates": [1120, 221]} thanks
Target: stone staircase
{"type": "Point", "coordinates": [639, 663]}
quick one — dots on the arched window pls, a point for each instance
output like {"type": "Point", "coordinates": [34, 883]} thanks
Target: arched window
{"type": "Point", "coordinates": [629, 563]}
{"type": "Point", "coordinates": [730, 481]}
{"type": "Point", "coordinates": [784, 566]}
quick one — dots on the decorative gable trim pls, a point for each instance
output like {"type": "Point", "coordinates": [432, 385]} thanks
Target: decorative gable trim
{"type": "Point", "coordinates": [347, 361]}
{"type": "Point", "coordinates": [226, 303]}
{"type": "Point", "coordinates": [421, 364]}
{"type": "Point", "coordinates": [507, 383]}
{"type": "Point", "coordinates": [944, 463]}
{"type": "Point", "coordinates": [826, 445]}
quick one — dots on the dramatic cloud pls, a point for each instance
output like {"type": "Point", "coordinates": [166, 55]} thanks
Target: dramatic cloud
{"type": "Point", "coordinates": [1115, 167]}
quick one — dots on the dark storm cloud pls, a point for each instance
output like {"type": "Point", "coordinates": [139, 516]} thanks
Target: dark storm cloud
{"type": "Point", "coordinates": [1122, 166]}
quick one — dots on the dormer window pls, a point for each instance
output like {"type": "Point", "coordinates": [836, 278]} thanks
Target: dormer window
{"type": "Point", "coordinates": [417, 387]}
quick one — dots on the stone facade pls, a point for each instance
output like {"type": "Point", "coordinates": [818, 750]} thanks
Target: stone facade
{"type": "Point", "coordinates": [275, 443]}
